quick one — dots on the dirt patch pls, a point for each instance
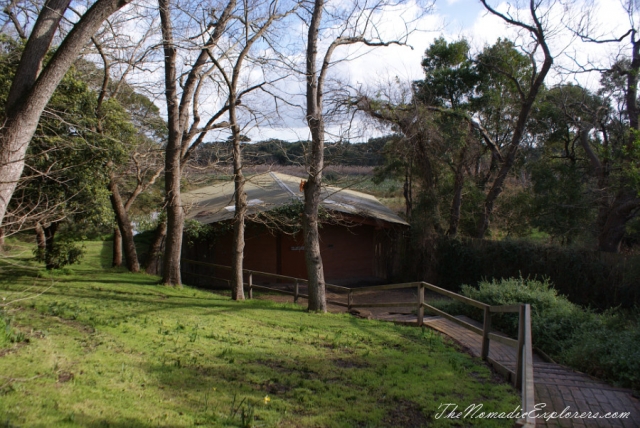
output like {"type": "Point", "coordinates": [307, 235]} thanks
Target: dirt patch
{"type": "Point", "coordinates": [276, 388]}
{"type": "Point", "coordinates": [14, 347]}
{"type": "Point", "coordinates": [349, 364]}
{"type": "Point", "coordinates": [406, 414]}
{"type": "Point", "coordinates": [274, 365]}
{"type": "Point", "coordinates": [64, 377]}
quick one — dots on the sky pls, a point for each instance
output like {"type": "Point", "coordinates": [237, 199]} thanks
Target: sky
{"type": "Point", "coordinates": [454, 19]}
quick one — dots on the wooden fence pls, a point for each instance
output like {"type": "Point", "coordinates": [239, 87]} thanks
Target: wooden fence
{"type": "Point", "coordinates": [522, 378]}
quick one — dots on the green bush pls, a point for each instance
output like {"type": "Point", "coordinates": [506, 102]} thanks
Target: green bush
{"type": "Point", "coordinates": [608, 349]}
{"type": "Point", "coordinates": [62, 253]}
{"type": "Point", "coordinates": [554, 319]}
{"type": "Point", "coordinates": [588, 278]}
{"type": "Point", "coordinates": [603, 345]}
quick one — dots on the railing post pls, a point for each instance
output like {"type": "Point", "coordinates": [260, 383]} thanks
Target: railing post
{"type": "Point", "coordinates": [420, 304]}
{"type": "Point", "coordinates": [296, 292]}
{"type": "Point", "coordinates": [485, 333]}
{"type": "Point", "coordinates": [349, 301]}
{"type": "Point", "coordinates": [519, 356]}
{"type": "Point", "coordinates": [251, 285]}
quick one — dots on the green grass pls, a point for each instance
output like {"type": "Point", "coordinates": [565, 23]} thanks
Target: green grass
{"type": "Point", "coordinates": [106, 348]}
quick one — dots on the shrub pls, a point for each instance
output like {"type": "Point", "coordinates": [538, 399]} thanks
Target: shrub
{"type": "Point", "coordinates": [588, 278]}
{"type": "Point", "coordinates": [63, 252]}
{"type": "Point", "coordinates": [608, 349]}
{"type": "Point", "coordinates": [603, 345]}
{"type": "Point", "coordinates": [554, 319]}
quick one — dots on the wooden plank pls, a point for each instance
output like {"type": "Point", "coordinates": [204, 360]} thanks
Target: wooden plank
{"type": "Point", "coordinates": [486, 328]}
{"type": "Point", "coordinates": [194, 262]}
{"type": "Point", "coordinates": [262, 287]}
{"type": "Point", "coordinates": [334, 302]}
{"type": "Point", "coordinates": [212, 278]}
{"type": "Point", "coordinates": [505, 308]}
{"type": "Point", "coordinates": [205, 276]}
{"type": "Point", "coordinates": [384, 287]}
{"type": "Point", "coordinates": [506, 340]}
{"type": "Point", "coordinates": [508, 374]}
{"type": "Point", "coordinates": [420, 303]}
{"type": "Point", "coordinates": [454, 319]}
{"type": "Point", "coordinates": [274, 276]}
{"type": "Point", "coordinates": [386, 305]}
{"type": "Point", "coordinates": [455, 296]}
{"type": "Point", "coordinates": [528, 388]}
{"type": "Point", "coordinates": [337, 287]}
{"type": "Point", "coordinates": [519, 348]}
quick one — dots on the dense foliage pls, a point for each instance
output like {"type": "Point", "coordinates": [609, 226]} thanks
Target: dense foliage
{"type": "Point", "coordinates": [572, 178]}
{"type": "Point", "coordinates": [279, 152]}
{"type": "Point", "coordinates": [604, 345]}
{"type": "Point", "coordinates": [587, 277]}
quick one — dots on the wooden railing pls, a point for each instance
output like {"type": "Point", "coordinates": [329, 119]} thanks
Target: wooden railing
{"type": "Point", "coordinates": [522, 378]}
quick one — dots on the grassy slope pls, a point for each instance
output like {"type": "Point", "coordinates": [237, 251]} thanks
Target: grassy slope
{"type": "Point", "coordinates": [109, 348]}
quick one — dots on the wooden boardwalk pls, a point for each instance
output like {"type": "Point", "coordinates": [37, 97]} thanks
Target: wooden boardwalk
{"type": "Point", "coordinates": [556, 386]}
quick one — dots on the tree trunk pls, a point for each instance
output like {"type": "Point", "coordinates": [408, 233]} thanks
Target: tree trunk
{"type": "Point", "coordinates": [313, 258]}
{"type": "Point", "coordinates": [456, 204]}
{"type": "Point", "coordinates": [407, 191]}
{"type": "Point", "coordinates": [124, 224]}
{"type": "Point", "coordinates": [173, 169]}
{"type": "Point", "coordinates": [41, 240]}
{"type": "Point", "coordinates": [175, 223]}
{"type": "Point", "coordinates": [523, 115]}
{"type": "Point", "coordinates": [1, 239]}
{"type": "Point", "coordinates": [117, 247]}
{"type": "Point", "coordinates": [613, 221]}
{"type": "Point", "coordinates": [237, 277]}
{"type": "Point", "coordinates": [49, 235]}
{"type": "Point", "coordinates": [155, 248]}
{"type": "Point", "coordinates": [29, 98]}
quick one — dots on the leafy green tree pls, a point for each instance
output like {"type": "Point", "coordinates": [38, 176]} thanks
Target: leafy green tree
{"type": "Point", "coordinates": [564, 191]}
{"type": "Point", "coordinates": [66, 173]}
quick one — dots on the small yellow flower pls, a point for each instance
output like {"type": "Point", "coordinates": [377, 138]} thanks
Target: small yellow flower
{"type": "Point", "coordinates": [266, 399]}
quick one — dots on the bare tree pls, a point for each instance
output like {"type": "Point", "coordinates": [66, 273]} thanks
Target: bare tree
{"type": "Point", "coordinates": [223, 44]}
{"type": "Point", "coordinates": [253, 27]}
{"type": "Point", "coordinates": [34, 84]}
{"type": "Point", "coordinates": [183, 124]}
{"type": "Point", "coordinates": [358, 25]}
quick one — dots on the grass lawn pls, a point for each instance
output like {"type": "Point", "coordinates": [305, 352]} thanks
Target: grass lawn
{"type": "Point", "coordinates": [104, 348]}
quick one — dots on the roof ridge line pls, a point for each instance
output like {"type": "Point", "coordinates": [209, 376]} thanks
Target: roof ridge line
{"type": "Point", "coordinates": [282, 184]}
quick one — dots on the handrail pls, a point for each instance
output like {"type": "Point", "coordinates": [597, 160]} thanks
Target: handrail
{"type": "Point", "coordinates": [523, 376]}
{"type": "Point", "coordinates": [526, 369]}
{"type": "Point", "coordinates": [455, 296]}
{"type": "Point", "coordinates": [265, 274]}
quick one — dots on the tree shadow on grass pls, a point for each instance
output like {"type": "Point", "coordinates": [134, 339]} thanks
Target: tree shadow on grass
{"type": "Point", "coordinates": [162, 303]}
{"type": "Point", "coordinates": [253, 375]}
{"type": "Point", "coordinates": [86, 421]}
{"type": "Point", "coordinates": [106, 254]}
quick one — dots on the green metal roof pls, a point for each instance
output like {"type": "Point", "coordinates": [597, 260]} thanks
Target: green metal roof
{"type": "Point", "coordinates": [273, 189]}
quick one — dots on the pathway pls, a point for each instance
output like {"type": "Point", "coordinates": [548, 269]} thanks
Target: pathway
{"type": "Point", "coordinates": [556, 386]}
